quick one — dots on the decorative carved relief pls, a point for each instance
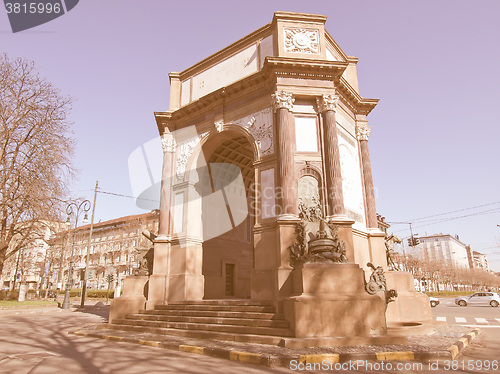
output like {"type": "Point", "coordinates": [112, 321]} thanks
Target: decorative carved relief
{"type": "Point", "coordinates": [184, 152]}
{"type": "Point", "coordinates": [327, 102]}
{"type": "Point", "coordinates": [362, 132]}
{"type": "Point", "coordinates": [322, 247]}
{"type": "Point", "coordinates": [260, 125]}
{"type": "Point", "coordinates": [282, 99]}
{"type": "Point", "coordinates": [168, 143]}
{"type": "Point", "coordinates": [317, 240]}
{"type": "Point", "coordinates": [299, 40]}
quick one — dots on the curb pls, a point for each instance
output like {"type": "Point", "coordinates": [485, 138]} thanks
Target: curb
{"type": "Point", "coordinates": [273, 360]}
{"type": "Point", "coordinates": [462, 343]}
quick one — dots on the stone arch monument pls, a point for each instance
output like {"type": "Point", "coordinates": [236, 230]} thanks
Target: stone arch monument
{"type": "Point", "coordinates": [273, 121]}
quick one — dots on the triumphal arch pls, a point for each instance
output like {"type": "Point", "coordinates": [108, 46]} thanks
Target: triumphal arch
{"type": "Point", "coordinates": [267, 194]}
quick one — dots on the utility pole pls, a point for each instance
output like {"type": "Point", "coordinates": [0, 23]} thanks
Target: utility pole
{"type": "Point", "coordinates": [86, 276]}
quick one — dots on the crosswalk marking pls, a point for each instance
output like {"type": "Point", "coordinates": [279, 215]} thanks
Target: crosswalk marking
{"type": "Point", "coordinates": [478, 320]}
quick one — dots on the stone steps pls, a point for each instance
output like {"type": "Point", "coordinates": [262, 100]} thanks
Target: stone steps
{"type": "Point", "coordinates": [199, 334]}
{"type": "Point", "coordinates": [230, 320]}
{"type": "Point", "coordinates": [255, 330]}
{"type": "Point", "coordinates": [212, 320]}
{"type": "Point", "coordinates": [234, 302]}
{"type": "Point", "coordinates": [217, 314]}
{"type": "Point", "coordinates": [218, 308]}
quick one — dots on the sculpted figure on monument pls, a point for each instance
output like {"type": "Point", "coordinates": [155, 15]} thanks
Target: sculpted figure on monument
{"type": "Point", "coordinates": [390, 240]}
{"type": "Point", "coordinates": [145, 262]}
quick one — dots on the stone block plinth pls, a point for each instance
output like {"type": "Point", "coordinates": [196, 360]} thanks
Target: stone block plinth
{"type": "Point", "coordinates": [133, 299]}
{"type": "Point", "coordinates": [410, 306]}
{"type": "Point", "coordinates": [331, 302]}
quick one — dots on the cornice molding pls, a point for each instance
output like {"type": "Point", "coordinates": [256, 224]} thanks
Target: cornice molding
{"type": "Point", "coordinates": [266, 77]}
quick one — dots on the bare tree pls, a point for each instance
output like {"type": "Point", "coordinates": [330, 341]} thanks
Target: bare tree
{"type": "Point", "coordinates": [35, 154]}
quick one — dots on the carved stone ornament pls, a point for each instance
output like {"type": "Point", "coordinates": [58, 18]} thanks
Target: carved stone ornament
{"type": "Point", "coordinates": [362, 132]}
{"type": "Point", "coordinates": [324, 246]}
{"type": "Point", "coordinates": [260, 125]}
{"type": "Point", "coordinates": [378, 283]}
{"type": "Point", "coordinates": [282, 99]}
{"type": "Point", "coordinates": [184, 152]}
{"type": "Point", "coordinates": [299, 40]}
{"type": "Point", "coordinates": [168, 143]}
{"type": "Point", "coordinates": [377, 280]}
{"type": "Point", "coordinates": [310, 213]}
{"type": "Point", "coordinates": [327, 102]}
{"type": "Point", "coordinates": [219, 125]}
{"type": "Point", "coordinates": [144, 262]}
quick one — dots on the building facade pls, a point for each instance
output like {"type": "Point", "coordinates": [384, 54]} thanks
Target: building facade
{"type": "Point", "coordinates": [30, 264]}
{"type": "Point", "coordinates": [113, 250]}
{"type": "Point", "coordinates": [444, 247]}
{"type": "Point", "coordinates": [480, 261]}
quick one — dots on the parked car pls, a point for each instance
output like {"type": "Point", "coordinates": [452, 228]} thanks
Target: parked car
{"type": "Point", "coordinates": [434, 301]}
{"type": "Point", "coordinates": [479, 298]}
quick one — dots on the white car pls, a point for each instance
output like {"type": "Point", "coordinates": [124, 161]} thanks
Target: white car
{"type": "Point", "coordinates": [479, 298]}
{"type": "Point", "coordinates": [434, 301]}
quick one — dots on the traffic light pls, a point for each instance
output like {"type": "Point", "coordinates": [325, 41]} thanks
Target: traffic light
{"type": "Point", "coordinates": [413, 241]}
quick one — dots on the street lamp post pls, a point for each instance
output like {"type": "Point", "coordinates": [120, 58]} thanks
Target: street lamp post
{"type": "Point", "coordinates": [84, 206]}
{"type": "Point", "coordinates": [86, 274]}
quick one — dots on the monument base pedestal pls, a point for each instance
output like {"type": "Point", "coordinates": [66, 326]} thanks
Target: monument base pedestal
{"type": "Point", "coordinates": [410, 309]}
{"type": "Point", "coordinates": [331, 301]}
{"type": "Point", "coordinates": [133, 299]}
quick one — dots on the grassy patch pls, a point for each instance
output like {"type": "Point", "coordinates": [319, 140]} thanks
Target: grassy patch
{"type": "Point", "coordinates": [14, 304]}
{"type": "Point", "coordinates": [449, 293]}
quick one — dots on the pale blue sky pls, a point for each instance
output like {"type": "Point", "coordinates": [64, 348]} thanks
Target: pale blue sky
{"type": "Point", "coordinates": [434, 65]}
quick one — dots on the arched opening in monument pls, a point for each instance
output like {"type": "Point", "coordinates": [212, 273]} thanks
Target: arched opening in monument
{"type": "Point", "coordinates": [227, 216]}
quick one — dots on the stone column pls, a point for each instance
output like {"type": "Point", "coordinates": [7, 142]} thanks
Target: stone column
{"type": "Point", "coordinates": [168, 145]}
{"type": "Point", "coordinates": [283, 104]}
{"type": "Point", "coordinates": [158, 280]}
{"type": "Point", "coordinates": [333, 175]}
{"type": "Point", "coordinates": [362, 133]}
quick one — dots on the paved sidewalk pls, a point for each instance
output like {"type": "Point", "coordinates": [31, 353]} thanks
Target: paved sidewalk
{"type": "Point", "coordinates": [444, 344]}
{"type": "Point", "coordinates": [39, 337]}
{"type": "Point", "coordinates": [40, 344]}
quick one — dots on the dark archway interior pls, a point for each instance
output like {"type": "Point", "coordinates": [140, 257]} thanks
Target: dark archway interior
{"type": "Point", "coordinates": [226, 211]}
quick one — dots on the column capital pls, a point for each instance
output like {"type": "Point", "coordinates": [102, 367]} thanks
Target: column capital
{"type": "Point", "coordinates": [362, 131]}
{"type": "Point", "coordinates": [327, 103]}
{"type": "Point", "coordinates": [168, 143]}
{"type": "Point", "coordinates": [282, 100]}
